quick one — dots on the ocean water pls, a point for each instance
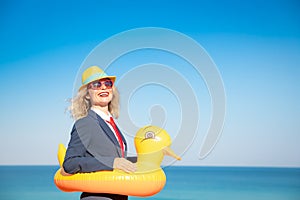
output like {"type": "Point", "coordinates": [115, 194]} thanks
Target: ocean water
{"type": "Point", "coordinates": [183, 183]}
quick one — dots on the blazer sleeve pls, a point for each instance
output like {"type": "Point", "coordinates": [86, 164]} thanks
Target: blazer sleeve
{"type": "Point", "coordinates": [79, 159]}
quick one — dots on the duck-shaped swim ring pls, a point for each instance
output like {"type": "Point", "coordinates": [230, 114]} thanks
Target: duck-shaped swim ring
{"type": "Point", "coordinates": [151, 143]}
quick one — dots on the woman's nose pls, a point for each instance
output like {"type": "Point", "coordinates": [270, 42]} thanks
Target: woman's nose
{"type": "Point", "coordinates": [103, 86]}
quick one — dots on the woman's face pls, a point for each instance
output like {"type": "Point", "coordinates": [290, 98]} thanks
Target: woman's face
{"type": "Point", "coordinates": [100, 92]}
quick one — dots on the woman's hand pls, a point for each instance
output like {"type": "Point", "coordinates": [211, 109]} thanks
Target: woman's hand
{"type": "Point", "coordinates": [125, 165]}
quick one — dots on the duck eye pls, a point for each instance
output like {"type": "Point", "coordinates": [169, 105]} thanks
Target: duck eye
{"type": "Point", "coordinates": [149, 135]}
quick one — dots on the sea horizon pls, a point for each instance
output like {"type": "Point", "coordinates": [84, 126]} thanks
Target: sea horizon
{"type": "Point", "coordinates": [29, 182]}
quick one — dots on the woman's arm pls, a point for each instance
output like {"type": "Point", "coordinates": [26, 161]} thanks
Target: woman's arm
{"type": "Point", "coordinates": [78, 159]}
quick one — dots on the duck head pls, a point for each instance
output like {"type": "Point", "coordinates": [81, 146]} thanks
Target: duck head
{"type": "Point", "coordinates": [152, 144]}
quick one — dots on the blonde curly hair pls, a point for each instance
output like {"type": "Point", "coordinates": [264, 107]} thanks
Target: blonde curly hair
{"type": "Point", "coordinates": [80, 105]}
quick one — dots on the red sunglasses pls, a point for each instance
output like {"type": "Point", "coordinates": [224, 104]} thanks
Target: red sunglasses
{"type": "Point", "coordinates": [96, 85]}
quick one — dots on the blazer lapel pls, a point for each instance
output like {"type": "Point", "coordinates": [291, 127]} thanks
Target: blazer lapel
{"type": "Point", "coordinates": [108, 131]}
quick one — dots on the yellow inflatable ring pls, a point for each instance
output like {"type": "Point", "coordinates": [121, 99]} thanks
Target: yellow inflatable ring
{"type": "Point", "coordinates": [151, 143]}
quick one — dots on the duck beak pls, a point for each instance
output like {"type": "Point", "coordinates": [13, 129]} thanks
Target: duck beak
{"type": "Point", "coordinates": [167, 151]}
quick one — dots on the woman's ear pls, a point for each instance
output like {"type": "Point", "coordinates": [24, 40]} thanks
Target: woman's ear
{"type": "Point", "coordinates": [88, 97]}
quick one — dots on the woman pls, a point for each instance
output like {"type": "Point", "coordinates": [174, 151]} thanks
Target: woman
{"type": "Point", "coordinates": [96, 143]}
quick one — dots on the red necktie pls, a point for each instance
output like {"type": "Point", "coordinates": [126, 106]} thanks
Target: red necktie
{"type": "Point", "coordinates": [112, 123]}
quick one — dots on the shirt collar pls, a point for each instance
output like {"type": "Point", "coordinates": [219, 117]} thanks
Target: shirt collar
{"type": "Point", "coordinates": [102, 114]}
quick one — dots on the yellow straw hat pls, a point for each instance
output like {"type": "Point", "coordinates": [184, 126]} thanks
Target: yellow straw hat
{"type": "Point", "coordinates": [94, 73]}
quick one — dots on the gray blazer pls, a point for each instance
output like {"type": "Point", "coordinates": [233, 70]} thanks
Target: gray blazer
{"type": "Point", "coordinates": [92, 147]}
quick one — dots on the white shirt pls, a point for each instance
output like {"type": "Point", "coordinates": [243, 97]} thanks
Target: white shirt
{"type": "Point", "coordinates": [106, 118]}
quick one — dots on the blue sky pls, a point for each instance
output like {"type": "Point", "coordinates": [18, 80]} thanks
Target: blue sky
{"type": "Point", "coordinates": [254, 44]}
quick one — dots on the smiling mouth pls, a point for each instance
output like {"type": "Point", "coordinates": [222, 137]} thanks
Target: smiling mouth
{"type": "Point", "coordinates": [104, 94]}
